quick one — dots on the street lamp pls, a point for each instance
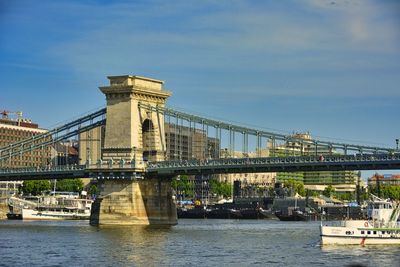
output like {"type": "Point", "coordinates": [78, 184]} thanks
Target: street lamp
{"type": "Point", "coordinates": [178, 178]}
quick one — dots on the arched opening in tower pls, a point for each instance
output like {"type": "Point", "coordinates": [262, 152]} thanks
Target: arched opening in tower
{"type": "Point", "coordinates": [149, 141]}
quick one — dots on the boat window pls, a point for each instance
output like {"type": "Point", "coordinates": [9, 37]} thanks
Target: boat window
{"type": "Point", "coordinates": [362, 232]}
{"type": "Point", "coordinates": [369, 232]}
{"type": "Point", "coordinates": [383, 232]}
{"type": "Point", "coordinates": [374, 232]}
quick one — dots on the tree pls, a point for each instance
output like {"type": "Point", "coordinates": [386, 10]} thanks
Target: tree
{"type": "Point", "coordinates": [220, 188]}
{"type": "Point", "coordinates": [349, 196]}
{"type": "Point", "coordinates": [387, 191]}
{"type": "Point", "coordinates": [93, 190]}
{"type": "Point", "coordinates": [328, 191]}
{"type": "Point", "coordinates": [183, 185]}
{"type": "Point", "coordinates": [35, 187]}
{"type": "Point", "coordinates": [69, 185]}
{"type": "Point", "coordinates": [296, 186]}
{"type": "Point", "coordinates": [313, 193]}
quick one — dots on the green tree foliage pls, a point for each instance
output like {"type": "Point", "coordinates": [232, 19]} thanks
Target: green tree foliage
{"type": "Point", "coordinates": [348, 196]}
{"type": "Point", "coordinates": [313, 193]}
{"type": "Point", "coordinates": [363, 194]}
{"type": "Point", "coordinates": [387, 191]}
{"type": "Point", "coordinates": [220, 188]}
{"type": "Point", "coordinates": [93, 190]}
{"type": "Point", "coordinates": [328, 191]}
{"type": "Point", "coordinates": [183, 186]}
{"type": "Point", "coordinates": [69, 185]}
{"type": "Point", "coordinates": [35, 187]}
{"type": "Point", "coordinates": [297, 186]}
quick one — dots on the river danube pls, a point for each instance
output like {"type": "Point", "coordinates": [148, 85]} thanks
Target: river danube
{"type": "Point", "coordinates": [190, 243]}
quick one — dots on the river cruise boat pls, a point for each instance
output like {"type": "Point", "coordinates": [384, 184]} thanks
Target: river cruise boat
{"type": "Point", "coordinates": [55, 213]}
{"type": "Point", "coordinates": [51, 208]}
{"type": "Point", "coordinates": [380, 228]}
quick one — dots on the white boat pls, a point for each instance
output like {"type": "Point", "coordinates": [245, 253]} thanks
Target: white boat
{"type": "Point", "coordinates": [53, 208]}
{"type": "Point", "coordinates": [381, 227]}
{"type": "Point", "coordinates": [55, 213]}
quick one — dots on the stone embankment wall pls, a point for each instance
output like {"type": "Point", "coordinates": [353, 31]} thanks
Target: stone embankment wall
{"type": "Point", "coordinates": [3, 211]}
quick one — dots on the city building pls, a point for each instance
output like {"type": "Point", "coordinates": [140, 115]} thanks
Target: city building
{"type": "Point", "coordinates": [184, 143]}
{"type": "Point", "coordinates": [14, 130]}
{"type": "Point", "coordinates": [65, 153]}
{"type": "Point", "coordinates": [384, 179]}
{"type": "Point", "coordinates": [90, 144]}
{"type": "Point", "coordinates": [342, 181]}
{"type": "Point", "coordinates": [8, 188]}
{"type": "Point", "coordinates": [264, 179]}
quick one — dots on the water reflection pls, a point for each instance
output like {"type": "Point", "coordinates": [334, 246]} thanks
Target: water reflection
{"type": "Point", "coordinates": [191, 242]}
{"type": "Point", "coordinates": [370, 255]}
{"type": "Point", "coordinates": [139, 244]}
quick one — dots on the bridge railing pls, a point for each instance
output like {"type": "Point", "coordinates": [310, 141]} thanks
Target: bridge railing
{"type": "Point", "coordinates": [47, 169]}
{"type": "Point", "coordinates": [128, 170]}
{"type": "Point", "coordinates": [110, 164]}
{"type": "Point", "coordinates": [116, 164]}
{"type": "Point", "coordinates": [271, 160]}
{"type": "Point", "coordinates": [122, 164]}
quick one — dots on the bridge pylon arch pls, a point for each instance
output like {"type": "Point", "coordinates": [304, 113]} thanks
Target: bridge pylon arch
{"type": "Point", "coordinates": [132, 132]}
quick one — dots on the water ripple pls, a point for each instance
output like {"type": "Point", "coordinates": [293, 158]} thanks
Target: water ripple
{"type": "Point", "coordinates": [191, 242]}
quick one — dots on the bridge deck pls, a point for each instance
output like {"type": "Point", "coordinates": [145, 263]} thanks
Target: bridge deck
{"type": "Point", "coordinates": [125, 170]}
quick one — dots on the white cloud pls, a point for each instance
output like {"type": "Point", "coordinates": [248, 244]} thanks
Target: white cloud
{"type": "Point", "coordinates": [368, 25]}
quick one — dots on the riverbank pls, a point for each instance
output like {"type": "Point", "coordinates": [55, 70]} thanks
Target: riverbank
{"type": "Point", "coordinates": [3, 211]}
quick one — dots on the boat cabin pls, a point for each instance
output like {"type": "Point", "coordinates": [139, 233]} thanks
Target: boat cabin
{"type": "Point", "coordinates": [380, 211]}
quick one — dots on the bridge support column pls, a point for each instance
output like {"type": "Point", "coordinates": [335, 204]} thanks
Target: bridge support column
{"type": "Point", "coordinates": [134, 202]}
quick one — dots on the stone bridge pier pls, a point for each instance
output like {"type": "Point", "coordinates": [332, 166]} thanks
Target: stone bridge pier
{"type": "Point", "coordinates": [124, 202]}
{"type": "Point", "coordinates": [135, 135]}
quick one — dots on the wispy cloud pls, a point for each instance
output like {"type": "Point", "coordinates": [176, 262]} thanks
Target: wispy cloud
{"type": "Point", "coordinates": [238, 57]}
{"type": "Point", "coordinates": [221, 38]}
{"type": "Point", "coordinates": [329, 42]}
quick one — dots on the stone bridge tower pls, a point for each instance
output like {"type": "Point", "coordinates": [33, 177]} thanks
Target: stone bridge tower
{"type": "Point", "coordinates": [133, 133]}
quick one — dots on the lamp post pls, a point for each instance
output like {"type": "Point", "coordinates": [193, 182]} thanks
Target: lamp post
{"type": "Point", "coordinates": [178, 178]}
{"type": "Point", "coordinates": [397, 144]}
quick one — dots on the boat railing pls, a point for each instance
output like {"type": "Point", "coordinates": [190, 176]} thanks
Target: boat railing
{"type": "Point", "coordinates": [396, 212]}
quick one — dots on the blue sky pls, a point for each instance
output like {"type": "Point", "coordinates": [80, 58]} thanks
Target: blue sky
{"type": "Point", "coordinates": [328, 67]}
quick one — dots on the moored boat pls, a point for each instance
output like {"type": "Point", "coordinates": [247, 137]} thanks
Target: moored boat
{"type": "Point", "coordinates": [14, 216]}
{"type": "Point", "coordinates": [267, 214]}
{"type": "Point", "coordinates": [50, 208]}
{"type": "Point", "coordinates": [291, 215]}
{"type": "Point", "coordinates": [381, 227]}
{"type": "Point", "coordinates": [55, 213]}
